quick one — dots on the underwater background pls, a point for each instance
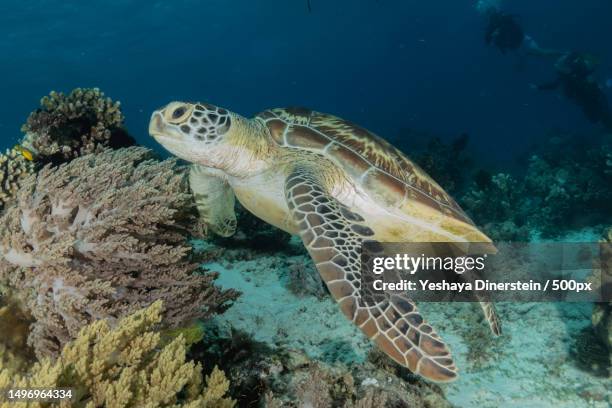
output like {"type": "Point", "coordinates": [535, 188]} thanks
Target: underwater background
{"type": "Point", "coordinates": [526, 165]}
{"type": "Point", "coordinates": [387, 64]}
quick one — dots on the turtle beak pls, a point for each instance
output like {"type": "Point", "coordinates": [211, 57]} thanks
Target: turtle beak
{"type": "Point", "coordinates": [159, 129]}
{"type": "Point", "coordinates": [168, 135]}
{"type": "Point", "coordinates": [156, 125]}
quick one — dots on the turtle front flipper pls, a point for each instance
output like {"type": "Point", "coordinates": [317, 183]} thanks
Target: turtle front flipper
{"type": "Point", "coordinates": [214, 199]}
{"type": "Point", "coordinates": [333, 235]}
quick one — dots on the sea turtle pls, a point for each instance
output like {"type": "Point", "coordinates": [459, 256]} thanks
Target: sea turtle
{"type": "Point", "coordinates": [335, 185]}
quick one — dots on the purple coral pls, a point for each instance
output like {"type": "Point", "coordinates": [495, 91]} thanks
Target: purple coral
{"type": "Point", "coordinates": [101, 237]}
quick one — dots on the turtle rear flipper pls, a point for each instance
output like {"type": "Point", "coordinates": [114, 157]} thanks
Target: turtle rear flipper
{"type": "Point", "coordinates": [333, 235]}
{"type": "Point", "coordinates": [492, 317]}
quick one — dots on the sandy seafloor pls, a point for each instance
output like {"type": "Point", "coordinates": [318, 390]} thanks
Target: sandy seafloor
{"type": "Point", "coordinates": [530, 365]}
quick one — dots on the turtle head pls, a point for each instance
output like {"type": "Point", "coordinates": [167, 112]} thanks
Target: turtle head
{"type": "Point", "coordinates": [197, 132]}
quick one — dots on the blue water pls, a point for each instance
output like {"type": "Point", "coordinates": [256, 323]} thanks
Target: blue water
{"type": "Point", "coordinates": [386, 64]}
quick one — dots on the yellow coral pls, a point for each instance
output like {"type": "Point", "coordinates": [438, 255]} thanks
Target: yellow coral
{"type": "Point", "coordinates": [123, 367]}
{"type": "Point", "coordinates": [192, 334]}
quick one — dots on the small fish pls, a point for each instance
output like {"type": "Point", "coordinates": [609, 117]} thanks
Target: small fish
{"type": "Point", "coordinates": [26, 153]}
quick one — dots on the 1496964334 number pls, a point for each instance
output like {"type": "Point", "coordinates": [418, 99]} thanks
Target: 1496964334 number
{"type": "Point", "coordinates": [37, 394]}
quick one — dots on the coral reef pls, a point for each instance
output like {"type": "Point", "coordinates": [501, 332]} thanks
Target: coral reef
{"type": "Point", "coordinates": [562, 186]}
{"type": "Point", "coordinates": [447, 163]}
{"type": "Point", "coordinates": [14, 326]}
{"type": "Point", "coordinates": [69, 126]}
{"type": "Point", "coordinates": [124, 366]}
{"type": "Point", "coordinates": [14, 168]}
{"type": "Point", "coordinates": [561, 177]}
{"type": "Point", "coordinates": [287, 378]}
{"type": "Point", "coordinates": [602, 312]}
{"type": "Point", "coordinates": [497, 203]}
{"type": "Point", "coordinates": [550, 197]}
{"type": "Point", "coordinates": [100, 237]}
{"type": "Point", "coordinates": [590, 354]}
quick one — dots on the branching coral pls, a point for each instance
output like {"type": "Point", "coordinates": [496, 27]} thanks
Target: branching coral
{"type": "Point", "coordinates": [551, 198]}
{"type": "Point", "coordinates": [14, 168]}
{"type": "Point", "coordinates": [125, 366]}
{"type": "Point", "coordinates": [497, 202]}
{"type": "Point", "coordinates": [565, 178]}
{"type": "Point", "coordinates": [68, 126]}
{"type": "Point", "coordinates": [100, 237]}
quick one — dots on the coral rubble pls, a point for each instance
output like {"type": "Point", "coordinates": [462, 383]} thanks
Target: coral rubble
{"type": "Point", "coordinates": [14, 168]}
{"type": "Point", "coordinates": [304, 280]}
{"type": "Point", "coordinates": [123, 366]}
{"type": "Point", "coordinates": [69, 126]}
{"type": "Point", "coordinates": [602, 312]}
{"type": "Point", "coordinates": [280, 377]}
{"type": "Point", "coordinates": [100, 237]}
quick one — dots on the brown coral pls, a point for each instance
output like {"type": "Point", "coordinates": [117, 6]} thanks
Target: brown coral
{"type": "Point", "coordinates": [14, 168]}
{"type": "Point", "coordinates": [69, 126]}
{"type": "Point", "coordinates": [14, 351]}
{"type": "Point", "coordinates": [125, 366]}
{"type": "Point", "coordinates": [100, 237]}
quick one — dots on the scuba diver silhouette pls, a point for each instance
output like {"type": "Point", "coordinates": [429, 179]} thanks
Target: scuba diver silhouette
{"type": "Point", "coordinates": [574, 70]}
{"type": "Point", "coordinates": [575, 77]}
{"type": "Point", "coordinates": [503, 31]}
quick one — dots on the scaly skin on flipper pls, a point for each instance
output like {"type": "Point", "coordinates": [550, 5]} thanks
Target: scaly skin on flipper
{"type": "Point", "coordinates": [491, 317]}
{"type": "Point", "coordinates": [215, 200]}
{"type": "Point", "coordinates": [333, 235]}
{"type": "Point", "coordinates": [335, 184]}
{"type": "Point", "coordinates": [384, 171]}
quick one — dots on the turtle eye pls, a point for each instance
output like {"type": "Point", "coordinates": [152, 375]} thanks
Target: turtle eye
{"type": "Point", "coordinates": [178, 112]}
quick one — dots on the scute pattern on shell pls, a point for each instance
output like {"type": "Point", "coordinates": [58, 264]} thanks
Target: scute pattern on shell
{"type": "Point", "coordinates": [365, 156]}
